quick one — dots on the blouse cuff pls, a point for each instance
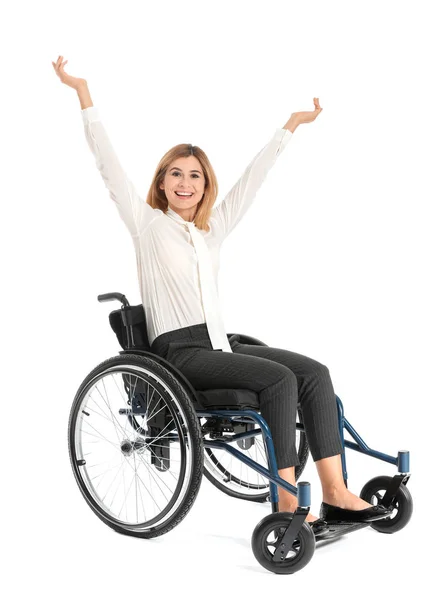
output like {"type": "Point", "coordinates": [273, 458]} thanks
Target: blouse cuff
{"type": "Point", "coordinates": [90, 114]}
{"type": "Point", "coordinates": [283, 134]}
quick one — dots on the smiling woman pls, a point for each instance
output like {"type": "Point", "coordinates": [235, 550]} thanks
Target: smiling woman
{"type": "Point", "coordinates": [177, 234]}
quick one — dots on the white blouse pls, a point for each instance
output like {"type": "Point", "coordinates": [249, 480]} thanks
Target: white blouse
{"type": "Point", "coordinates": [167, 259]}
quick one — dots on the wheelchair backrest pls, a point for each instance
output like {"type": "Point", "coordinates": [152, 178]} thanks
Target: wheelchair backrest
{"type": "Point", "coordinates": [129, 325]}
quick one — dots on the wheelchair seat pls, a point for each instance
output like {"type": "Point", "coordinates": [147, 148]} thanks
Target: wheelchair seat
{"type": "Point", "coordinates": [129, 325]}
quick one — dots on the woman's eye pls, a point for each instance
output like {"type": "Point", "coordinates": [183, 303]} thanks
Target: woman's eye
{"type": "Point", "coordinates": [177, 173]}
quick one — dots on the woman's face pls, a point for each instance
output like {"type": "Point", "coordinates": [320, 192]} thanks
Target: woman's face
{"type": "Point", "coordinates": [184, 175]}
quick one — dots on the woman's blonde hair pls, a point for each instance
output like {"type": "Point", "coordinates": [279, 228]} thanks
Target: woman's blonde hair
{"type": "Point", "coordinates": [156, 197]}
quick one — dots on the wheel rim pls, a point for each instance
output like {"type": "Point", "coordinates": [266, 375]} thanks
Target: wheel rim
{"type": "Point", "coordinates": [235, 475]}
{"type": "Point", "coordinates": [272, 541]}
{"type": "Point", "coordinates": [114, 459]}
{"type": "Point", "coordinates": [376, 499]}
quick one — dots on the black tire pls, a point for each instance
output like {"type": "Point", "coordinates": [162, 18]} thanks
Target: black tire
{"type": "Point", "coordinates": [303, 454]}
{"type": "Point", "coordinates": [373, 492]}
{"type": "Point", "coordinates": [187, 424]}
{"type": "Point", "coordinates": [263, 549]}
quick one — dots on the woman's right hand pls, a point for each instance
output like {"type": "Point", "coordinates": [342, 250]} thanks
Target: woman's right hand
{"type": "Point", "coordinates": [73, 82]}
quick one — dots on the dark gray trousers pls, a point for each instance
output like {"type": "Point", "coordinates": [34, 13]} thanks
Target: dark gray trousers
{"type": "Point", "coordinates": [283, 380]}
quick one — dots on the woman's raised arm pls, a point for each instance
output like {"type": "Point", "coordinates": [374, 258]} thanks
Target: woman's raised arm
{"type": "Point", "coordinates": [134, 211]}
{"type": "Point", "coordinates": [241, 196]}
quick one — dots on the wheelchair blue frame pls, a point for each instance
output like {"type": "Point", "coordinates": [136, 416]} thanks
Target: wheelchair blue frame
{"type": "Point", "coordinates": [402, 461]}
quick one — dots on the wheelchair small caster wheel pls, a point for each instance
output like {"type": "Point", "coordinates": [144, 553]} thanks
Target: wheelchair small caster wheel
{"type": "Point", "coordinates": [267, 537]}
{"type": "Point", "coordinates": [374, 491]}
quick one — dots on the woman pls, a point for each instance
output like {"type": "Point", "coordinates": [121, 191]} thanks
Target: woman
{"type": "Point", "coordinates": [177, 234]}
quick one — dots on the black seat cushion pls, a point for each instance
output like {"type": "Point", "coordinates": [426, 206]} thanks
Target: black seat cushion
{"type": "Point", "coordinates": [228, 399]}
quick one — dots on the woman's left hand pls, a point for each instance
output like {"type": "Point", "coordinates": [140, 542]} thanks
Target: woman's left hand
{"type": "Point", "coordinates": [297, 118]}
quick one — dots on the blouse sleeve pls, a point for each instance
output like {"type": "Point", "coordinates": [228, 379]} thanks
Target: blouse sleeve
{"type": "Point", "coordinates": [236, 203]}
{"type": "Point", "coordinates": [134, 211]}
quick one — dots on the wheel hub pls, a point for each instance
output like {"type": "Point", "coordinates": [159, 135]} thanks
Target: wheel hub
{"type": "Point", "coordinates": [127, 446]}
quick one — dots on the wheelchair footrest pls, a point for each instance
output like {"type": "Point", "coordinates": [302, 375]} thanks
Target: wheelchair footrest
{"type": "Point", "coordinates": [337, 529]}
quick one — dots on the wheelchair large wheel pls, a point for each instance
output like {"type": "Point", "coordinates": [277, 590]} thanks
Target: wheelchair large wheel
{"type": "Point", "coordinates": [233, 477]}
{"type": "Point", "coordinates": [374, 491]}
{"type": "Point", "coordinates": [135, 446]}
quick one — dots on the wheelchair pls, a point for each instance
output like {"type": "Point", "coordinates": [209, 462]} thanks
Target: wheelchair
{"type": "Point", "coordinates": [140, 437]}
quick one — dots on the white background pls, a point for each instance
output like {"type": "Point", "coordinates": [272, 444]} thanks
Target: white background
{"type": "Point", "coordinates": [340, 258]}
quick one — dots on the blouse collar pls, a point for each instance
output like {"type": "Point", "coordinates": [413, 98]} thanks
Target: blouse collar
{"type": "Point", "coordinates": [176, 217]}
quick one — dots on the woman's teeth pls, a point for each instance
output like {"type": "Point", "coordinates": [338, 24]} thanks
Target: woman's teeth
{"type": "Point", "coordinates": [184, 195]}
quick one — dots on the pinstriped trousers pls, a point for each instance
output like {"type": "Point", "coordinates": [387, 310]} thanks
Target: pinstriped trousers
{"type": "Point", "coordinates": [283, 380]}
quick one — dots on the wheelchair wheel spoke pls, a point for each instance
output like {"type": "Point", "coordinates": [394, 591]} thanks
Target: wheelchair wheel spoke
{"type": "Point", "coordinates": [156, 476]}
{"type": "Point", "coordinates": [118, 472]}
{"type": "Point", "coordinates": [150, 492]}
{"type": "Point", "coordinates": [124, 504]}
{"type": "Point", "coordinates": [102, 473]}
{"type": "Point", "coordinates": [97, 434]}
{"type": "Point", "coordinates": [118, 427]}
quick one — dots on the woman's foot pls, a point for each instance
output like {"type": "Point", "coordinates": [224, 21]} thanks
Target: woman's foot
{"type": "Point", "coordinates": [347, 507]}
{"type": "Point", "coordinates": [345, 499]}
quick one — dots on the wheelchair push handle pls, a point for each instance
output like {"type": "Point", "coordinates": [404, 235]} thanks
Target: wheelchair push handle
{"type": "Point", "coordinates": [113, 296]}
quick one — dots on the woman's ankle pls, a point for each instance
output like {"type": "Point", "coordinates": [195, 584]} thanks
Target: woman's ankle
{"type": "Point", "coordinates": [334, 493]}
